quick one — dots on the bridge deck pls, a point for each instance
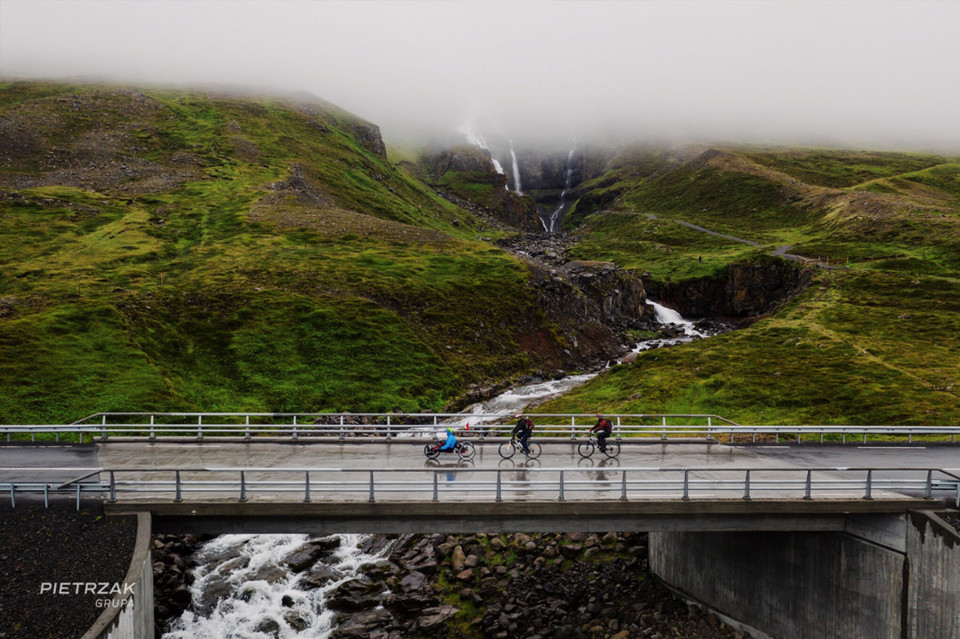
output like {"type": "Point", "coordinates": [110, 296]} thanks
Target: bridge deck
{"type": "Point", "coordinates": [491, 516]}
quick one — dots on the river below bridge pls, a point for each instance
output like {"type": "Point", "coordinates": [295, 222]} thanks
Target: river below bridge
{"type": "Point", "coordinates": [242, 588]}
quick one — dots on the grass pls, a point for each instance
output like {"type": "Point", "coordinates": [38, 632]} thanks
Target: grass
{"type": "Point", "coordinates": [217, 253]}
{"type": "Point", "coordinates": [876, 342]}
{"type": "Point", "coordinates": [839, 168]}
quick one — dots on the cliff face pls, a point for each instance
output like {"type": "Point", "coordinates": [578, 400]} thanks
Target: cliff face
{"type": "Point", "coordinates": [468, 172]}
{"type": "Point", "coordinates": [745, 290]}
{"type": "Point", "coordinates": [591, 304]}
{"type": "Point", "coordinates": [461, 158]}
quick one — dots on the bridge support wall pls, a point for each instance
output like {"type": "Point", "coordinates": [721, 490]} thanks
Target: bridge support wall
{"type": "Point", "coordinates": [130, 615]}
{"type": "Point", "coordinates": [898, 580]}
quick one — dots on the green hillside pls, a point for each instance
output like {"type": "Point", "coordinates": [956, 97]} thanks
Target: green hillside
{"type": "Point", "coordinates": [873, 340]}
{"type": "Point", "coordinates": [177, 250]}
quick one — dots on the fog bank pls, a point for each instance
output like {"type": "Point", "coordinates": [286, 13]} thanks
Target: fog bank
{"type": "Point", "coordinates": [877, 74]}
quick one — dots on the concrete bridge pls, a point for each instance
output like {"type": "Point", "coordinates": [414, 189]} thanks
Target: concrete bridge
{"type": "Point", "coordinates": [784, 538]}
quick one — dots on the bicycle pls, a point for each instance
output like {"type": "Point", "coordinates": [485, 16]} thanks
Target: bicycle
{"type": "Point", "coordinates": [465, 450]}
{"type": "Point", "coordinates": [510, 448]}
{"type": "Point", "coordinates": [587, 448]}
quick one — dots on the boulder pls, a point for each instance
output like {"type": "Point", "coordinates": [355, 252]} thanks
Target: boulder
{"type": "Point", "coordinates": [355, 595]}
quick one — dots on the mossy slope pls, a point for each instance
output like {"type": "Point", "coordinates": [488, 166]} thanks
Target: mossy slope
{"type": "Point", "coordinates": [174, 250]}
{"type": "Point", "coordinates": [874, 340]}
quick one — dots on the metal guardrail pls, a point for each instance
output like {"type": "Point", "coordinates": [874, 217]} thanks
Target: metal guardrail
{"type": "Point", "coordinates": [604, 483]}
{"type": "Point", "coordinates": [343, 425]}
{"type": "Point", "coordinates": [388, 426]}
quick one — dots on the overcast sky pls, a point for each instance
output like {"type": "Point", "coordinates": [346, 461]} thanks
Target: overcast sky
{"type": "Point", "coordinates": [867, 73]}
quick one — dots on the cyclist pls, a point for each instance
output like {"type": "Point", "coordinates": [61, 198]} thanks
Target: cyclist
{"type": "Point", "coordinates": [450, 443]}
{"type": "Point", "coordinates": [522, 432]}
{"type": "Point", "coordinates": [603, 428]}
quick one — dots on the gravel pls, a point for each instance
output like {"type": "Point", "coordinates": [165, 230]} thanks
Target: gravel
{"type": "Point", "coordinates": [55, 545]}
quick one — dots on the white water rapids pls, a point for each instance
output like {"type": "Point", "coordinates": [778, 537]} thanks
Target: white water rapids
{"type": "Point", "coordinates": [254, 608]}
{"type": "Point", "coordinates": [257, 589]}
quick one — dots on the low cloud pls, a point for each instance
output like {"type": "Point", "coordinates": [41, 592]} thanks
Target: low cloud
{"type": "Point", "coordinates": [867, 74]}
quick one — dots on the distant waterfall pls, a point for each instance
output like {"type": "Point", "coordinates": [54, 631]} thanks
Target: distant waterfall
{"type": "Point", "coordinates": [516, 171]}
{"type": "Point", "coordinates": [477, 140]}
{"type": "Point", "coordinates": [555, 216]}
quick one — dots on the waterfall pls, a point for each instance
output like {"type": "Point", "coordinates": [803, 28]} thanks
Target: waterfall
{"type": "Point", "coordinates": [669, 316]}
{"type": "Point", "coordinates": [474, 138]}
{"type": "Point", "coordinates": [555, 216]}
{"type": "Point", "coordinates": [516, 171]}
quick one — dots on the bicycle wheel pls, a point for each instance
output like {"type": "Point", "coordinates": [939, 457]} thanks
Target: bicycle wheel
{"type": "Point", "coordinates": [585, 449]}
{"type": "Point", "coordinates": [432, 451]}
{"type": "Point", "coordinates": [535, 450]}
{"type": "Point", "coordinates": [507, 450]}
{"type": "Point", "coordinates": [467, 451]}
{"type": "Point", "coordinates": [612, 448]}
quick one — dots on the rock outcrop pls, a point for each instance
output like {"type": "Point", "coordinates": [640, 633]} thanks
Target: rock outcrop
{"type": "Point", "coordinates": [592, 304]}
{"type": "Point", "coordinates": [745, 289]}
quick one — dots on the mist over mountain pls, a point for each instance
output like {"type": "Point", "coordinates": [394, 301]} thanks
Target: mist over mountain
{"type": "Point", "coordinates": [860, 74]}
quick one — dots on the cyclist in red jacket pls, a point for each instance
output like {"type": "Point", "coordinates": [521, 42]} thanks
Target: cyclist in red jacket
{"type": "Point", "coordinates": [603, 428]}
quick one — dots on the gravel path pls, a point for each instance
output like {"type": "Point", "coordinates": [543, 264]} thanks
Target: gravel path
{"type": "Point", "coordinates": [57, 544]}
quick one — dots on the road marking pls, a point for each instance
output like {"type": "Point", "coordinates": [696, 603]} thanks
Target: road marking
{"type": "Point", "coordinates": [893, 447]}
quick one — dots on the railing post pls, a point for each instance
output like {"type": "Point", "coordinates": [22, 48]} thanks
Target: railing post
{"type": "Point", "coordinates": [573, 428]}
{"type": "Point", "coordinates": [246, 428]}
{"type": "Point", "coordinates": [13, 495]}
{"type": "Point", "coordinates": [113, 487]}
{"type": "Point", "coordinates": [868, 494]}
{"type": "Point", "coordinates": [46, 495]}
{"type": "Point", "coordinates": [746, 486]}
{"type": "Point", "coordinates": [864, 437]}
{"type": "Point", "coordinates": [371, 497]}
{"type": "Point", "coordinates": [341, 427]}
{"type": "Point", "coordinates": [103, 428]}
{"type": "Point", "coordinates": [663, 435]}
{"type": "Point", "coordinates": [500, 495]}
{"type": "Point", "coordinates": [306, 492]}
{"type": "Point", "coordinates": [928, 493]}
{"type": "Point", "coordinates": [686, 484]}
{"type": "Point", "coordinates": [623, 485]}
{"type": "Point", "coordinates": [179, 494]}
{"type": "Point", "coordinates": [294, 427]}
{"type": "Point", "coordinates": [807, 489]}
{"type": "Point", "coordinates": [153, 435]}
{"type": "Point", "coordinates": [78, 495]}
{"type": "Point", "coordinates": [560, 498]}
{"type": "Point", "coordinates": [243, 487]}
{"type": "Point", "coordinates": [619, 434]}
{"type": "Point", "coordinates": [199, 426]}
{"type": "Point", "coordinates": [436, 491]}
{"type": "Point", "coordinates": [909, 438]}
{"type": "Point", "coordinates": [389, 428]}
{"type": "Point", "coordinates": [821, 436]}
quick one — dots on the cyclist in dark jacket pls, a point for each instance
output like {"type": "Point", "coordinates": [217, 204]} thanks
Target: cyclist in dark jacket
{"type": "Point", "coordinates": [522, 432]}
{"type": "Point", "coordinates": [603, 428]}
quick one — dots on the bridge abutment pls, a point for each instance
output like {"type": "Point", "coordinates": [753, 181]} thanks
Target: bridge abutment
{"type": "Point", "coordinates": [891, 576]}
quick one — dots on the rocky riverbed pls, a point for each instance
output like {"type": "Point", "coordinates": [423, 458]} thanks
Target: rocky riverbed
{"type": "Point", "coordinates": [564, 586]}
